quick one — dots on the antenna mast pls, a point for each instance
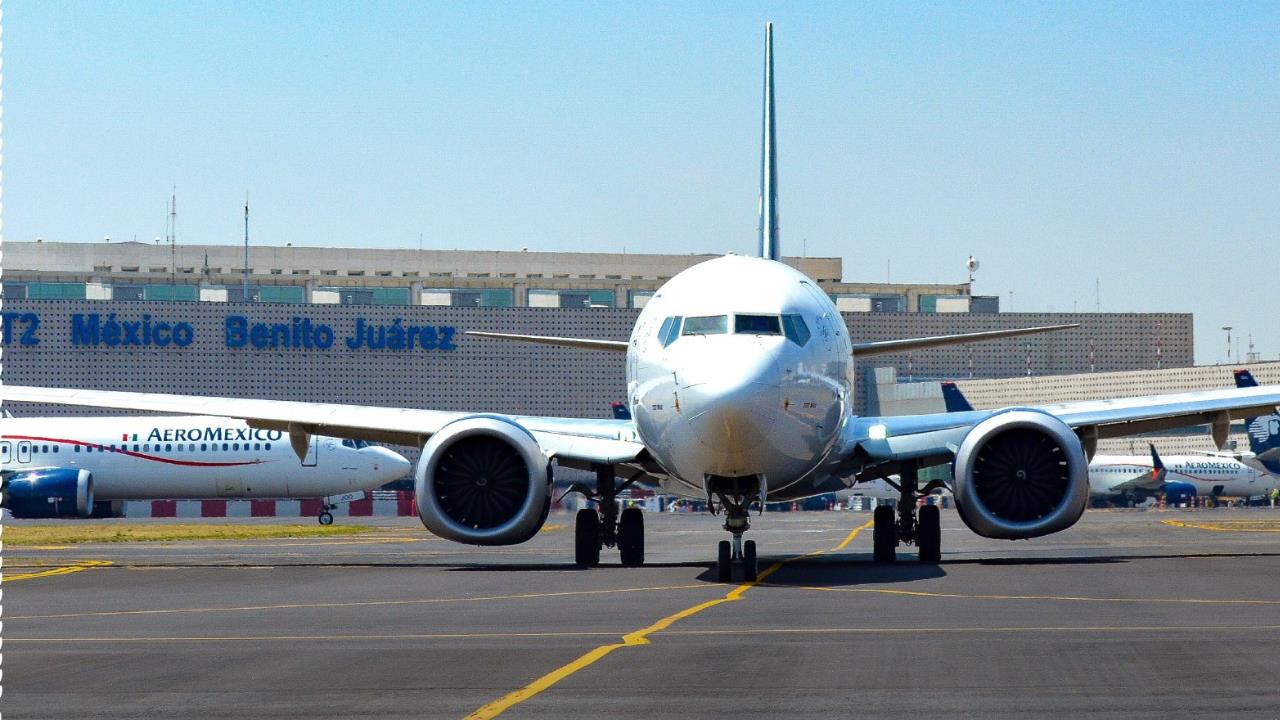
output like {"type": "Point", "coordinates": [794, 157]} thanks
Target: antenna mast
{"type": "Point", "coordinates": [245, 285]}
{"type": "Point", "coordinates": [172, 237]}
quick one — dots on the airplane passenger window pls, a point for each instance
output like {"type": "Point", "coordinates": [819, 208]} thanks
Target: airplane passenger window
{"type": "Point", "coordinates": [204, 447]}
{"type": "Point", "coordinates": [757, 325]}
{"type": "Point", "coordinates": [268, 448]}
{"type": "Point", "coordinates": [225, 447]}
{"type": "Point", "coordinates": [77, 448]}
{"type": "Point", "coordinates": [706, 325]}
{"type": "Point", "coordinates": [235, 446]}
{"type": "Point", "coordinates": [795, 329]}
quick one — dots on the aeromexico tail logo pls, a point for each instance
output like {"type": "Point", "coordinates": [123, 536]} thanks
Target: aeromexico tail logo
{"type": "Point", "coordinates": [206, 434]}
{"type": "Point", "coordinates": [1265, 429]}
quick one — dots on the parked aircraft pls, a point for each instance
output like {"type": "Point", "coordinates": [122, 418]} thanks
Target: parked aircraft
{"type": "Point", "coordinates": [740, 382]}
{"type": "Point", "coordinates": [58, 466]}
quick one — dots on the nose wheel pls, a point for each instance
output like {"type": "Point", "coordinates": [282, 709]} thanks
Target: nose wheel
{"type": "Point", "coordinates": [736, 551]}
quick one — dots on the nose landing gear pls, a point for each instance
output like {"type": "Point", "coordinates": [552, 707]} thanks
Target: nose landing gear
{"type": "Point", "coordinates": [736, 498]}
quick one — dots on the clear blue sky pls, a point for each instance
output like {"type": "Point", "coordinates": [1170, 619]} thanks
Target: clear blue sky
{"type": "Point", "coordinates": [1137, 144]}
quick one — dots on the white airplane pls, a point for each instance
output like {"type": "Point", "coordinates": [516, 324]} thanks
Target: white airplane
{"type": "Point", "coordinates": [60, 466]}
{"type": "Point", "coordinates": [1133, 476]}
{"type": "Point", "coordinates": [740, 380]}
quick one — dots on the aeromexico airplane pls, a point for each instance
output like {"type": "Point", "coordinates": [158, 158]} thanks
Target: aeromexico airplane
{"type": "Point", "coordinates": [60, 466]}
{"type": "Point", "coordinates": [739, 376]}
{"type": "Point", "coordinates": [1131, 477]}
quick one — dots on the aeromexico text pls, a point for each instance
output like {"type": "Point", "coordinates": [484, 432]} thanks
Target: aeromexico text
{"type": "Point", "coordinates": [300, 333]}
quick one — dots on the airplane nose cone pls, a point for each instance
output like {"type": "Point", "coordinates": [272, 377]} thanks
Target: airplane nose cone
{"type": "Point", "coordinates": [732, 406]}
{"type": "Point", "coordinates": [391, 465]}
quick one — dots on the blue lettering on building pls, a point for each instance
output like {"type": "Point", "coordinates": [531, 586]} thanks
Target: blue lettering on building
{"type": "Point", "coordinates": [110, 330]}
{"type": "Point", "coordinates": [25, 324]}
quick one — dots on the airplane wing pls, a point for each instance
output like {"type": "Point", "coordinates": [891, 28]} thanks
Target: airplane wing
{"type": "Point", "coordinates": [936, 437]}
{"type": "Point", "coordinates": [584, 440]}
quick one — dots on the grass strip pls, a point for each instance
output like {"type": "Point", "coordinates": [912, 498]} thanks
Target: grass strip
{"type": "Point", "coordinates": [76, 532]}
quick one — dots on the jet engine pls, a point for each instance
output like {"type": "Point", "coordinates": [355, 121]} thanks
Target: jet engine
{"type": "Point", "coordinates": [1021, 474]}
{"type": "Point", "coordinates": [49, 492]}
{"type": "Point", "coordinates": [483, 480]}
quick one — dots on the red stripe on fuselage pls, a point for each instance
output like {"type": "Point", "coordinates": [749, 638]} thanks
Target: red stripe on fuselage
{"type": "Point", "coordinates": [140, 456]}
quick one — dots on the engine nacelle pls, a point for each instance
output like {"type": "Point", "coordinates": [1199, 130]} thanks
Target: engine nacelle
{"type": "Point", "coordinates": [49, 492]}
{"type": "Point", "coordinates": [483, 480]}
{"type": "Point", "coordinates": [1021, 474]}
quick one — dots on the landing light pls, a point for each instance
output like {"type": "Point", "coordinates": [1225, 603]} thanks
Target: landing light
{"type": "Point", "coordinates": [877, 432]}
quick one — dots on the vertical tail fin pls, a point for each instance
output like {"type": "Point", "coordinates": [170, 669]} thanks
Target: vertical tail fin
{"type": "Point", "coordinates": [954, 399]}
{"type": "Point", "coordinates": [769, 244]}
{"type": "Point", "coordinates": [620, 411]}
{"type": "Point", "coordinates": [1158, 470]}
{"type": "Point", "coordinates": [1264, 432]}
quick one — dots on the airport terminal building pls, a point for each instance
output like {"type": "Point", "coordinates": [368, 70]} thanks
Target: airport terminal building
{"type": "Point", "coordinates": [387, 327]}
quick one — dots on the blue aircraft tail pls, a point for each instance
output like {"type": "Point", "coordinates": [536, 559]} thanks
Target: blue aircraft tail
{"type": "Point", "coordinates": [620, 411]}
{"type": "Point", "coordinates": [954, 399]}
{"type": "Point", "coordinates": [1264, 432]}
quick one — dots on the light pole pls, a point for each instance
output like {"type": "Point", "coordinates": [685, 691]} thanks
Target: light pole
{"type": "Point", "coordinates": [1227, 330]}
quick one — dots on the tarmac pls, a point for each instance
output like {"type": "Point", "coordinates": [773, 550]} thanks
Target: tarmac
{"type": "Point", "coordinates": [1130, 614]}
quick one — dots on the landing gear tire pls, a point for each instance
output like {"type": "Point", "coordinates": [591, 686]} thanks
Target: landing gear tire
{"type": "Point", "coordinates": [325, 518]}
{"type": "Point", "coordinates": [929, 534]}
{"type": "Point", "coordinates": [750, 569]}
{"type": "Point", "coordinates": [631, 537]}
{"type": "Point", "coordinates": [884, 535]}
{"type": "Point", "coordinates": [724, 562]}
{"type": "Point", "coordinates": [586, 538]}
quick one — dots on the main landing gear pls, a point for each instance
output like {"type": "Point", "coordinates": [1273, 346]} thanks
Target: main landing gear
{"type": "Point", "coordinates": [605, 527]}
{"type": "Point", "coordinates": [736, 497]}
{"type": "Point", "coordinates": [924, 529]}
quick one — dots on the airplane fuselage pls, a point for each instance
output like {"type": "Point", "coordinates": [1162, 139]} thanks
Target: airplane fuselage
{"type": "Point", "coordinates": [1208, 475]}
{"type": "Point", "coordinates": [739, 367]}
{"type": "Point", "coordinates": [192, 457]}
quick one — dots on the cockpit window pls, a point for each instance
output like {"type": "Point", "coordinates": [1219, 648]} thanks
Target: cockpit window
{"type": "Point", "coordinates": [669, 331]}
{"type": "Point", "coordinates": [795, 329]}
{"type": "Point", "coordinates": [706, 325]}
{"type": "Point", "coordinates": [757, 325]}
{"type": "Point", "coordinates": [356, 444]}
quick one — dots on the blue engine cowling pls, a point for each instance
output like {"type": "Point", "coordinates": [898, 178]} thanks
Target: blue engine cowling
{"type": "Point", "coordinates": [1177, 492]}
{"type": "Point", "coordinates": [45, 492]}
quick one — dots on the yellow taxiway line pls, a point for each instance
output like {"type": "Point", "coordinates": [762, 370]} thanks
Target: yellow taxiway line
{"type": "Point", "coordinates": [639, 637]}
{"type": "Point", "coordinates": [63, 570]}
{"type": "Point", "coordinates": [1229, 525]}
{"type": "Point", "coordinates": [355, 603]}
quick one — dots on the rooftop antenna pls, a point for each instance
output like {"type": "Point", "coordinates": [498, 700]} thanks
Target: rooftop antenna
{"type": "Point", "coordinates": [245, 285]}
{"type": "Point", "coordinates": [769, 244]}
{"type": "Point", "coordinates": [171, 236]}
{"type": "Point", "coordinates": [972, 265]}
{"type": "Point", "coordinates": [1253, 355]}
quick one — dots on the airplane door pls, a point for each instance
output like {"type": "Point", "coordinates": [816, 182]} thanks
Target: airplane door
{"type": "Point", "coordinates": [230, 487]}
{"type": "Point", "coordinates": [24, 452]}
{"type": "Point", "coordinates": [6, 453]}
